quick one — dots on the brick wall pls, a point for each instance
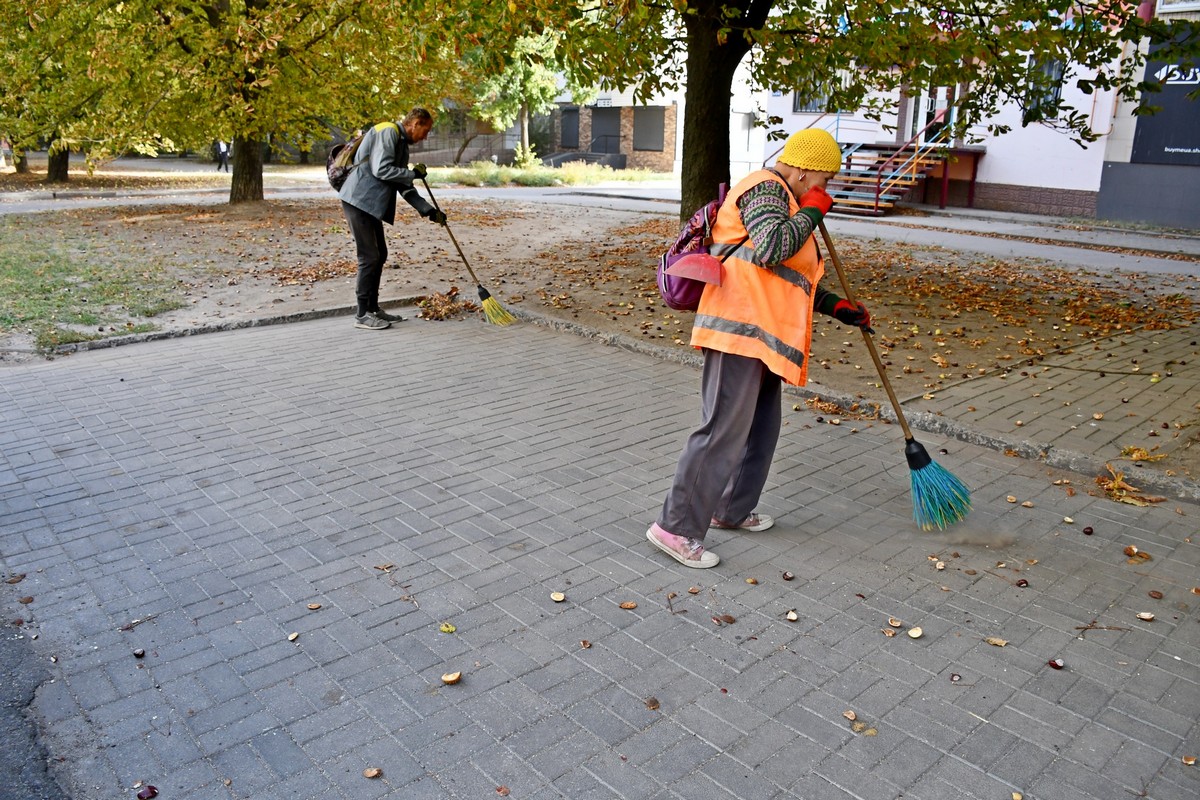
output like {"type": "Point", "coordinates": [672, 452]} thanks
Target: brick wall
{"type": "Point", "coordinates": [1008, 197]}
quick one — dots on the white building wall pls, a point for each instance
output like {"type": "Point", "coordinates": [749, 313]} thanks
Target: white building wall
{"type": "Point", "coordinates": [1040, 156]}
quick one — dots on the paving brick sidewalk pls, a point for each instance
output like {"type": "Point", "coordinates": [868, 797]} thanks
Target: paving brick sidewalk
{"type": "Point", "coordinates": [212, 487]}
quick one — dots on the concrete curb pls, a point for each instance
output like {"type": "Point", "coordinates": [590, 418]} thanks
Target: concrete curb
{"type": "Point", "coordinates": [1051, 456]}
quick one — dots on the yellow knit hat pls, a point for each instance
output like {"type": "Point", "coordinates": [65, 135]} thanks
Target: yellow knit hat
{"type": "Point", "coordinates": [812, 148]}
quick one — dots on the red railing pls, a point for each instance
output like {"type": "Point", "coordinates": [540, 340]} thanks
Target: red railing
{"type": "Point", "coordinates": [909, 166]}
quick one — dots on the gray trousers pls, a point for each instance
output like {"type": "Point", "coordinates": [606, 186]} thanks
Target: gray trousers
{"type": "Point", "coordinates": [723, 467]}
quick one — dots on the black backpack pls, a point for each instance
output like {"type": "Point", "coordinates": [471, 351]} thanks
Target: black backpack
{"type": "Point", "coordinates": [341, 159]}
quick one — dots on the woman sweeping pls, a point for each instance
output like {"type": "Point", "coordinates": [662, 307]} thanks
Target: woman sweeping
{"type": "Point", "coordinates": [754, 330]}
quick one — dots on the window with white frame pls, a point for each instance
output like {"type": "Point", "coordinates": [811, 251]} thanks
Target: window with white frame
{"type": "Point", "coordinates": [1045, 89]}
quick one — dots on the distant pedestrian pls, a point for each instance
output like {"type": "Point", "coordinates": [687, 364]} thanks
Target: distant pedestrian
{"type": "Point", "coordinates": [755, 330]}
{"type": "Point", "coordinates": [222, 156]}
{"type": "Point", "coordinates": [369, 199]}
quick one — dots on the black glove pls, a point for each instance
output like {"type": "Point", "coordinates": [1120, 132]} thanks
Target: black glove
{"type": "Point", "coordinates": [438, 216]}
{"type": "Point", "coordinates": [420, 171]}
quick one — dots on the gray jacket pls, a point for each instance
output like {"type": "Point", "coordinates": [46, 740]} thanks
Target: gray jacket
{"type": "Point", "coordinates": [380, 171]}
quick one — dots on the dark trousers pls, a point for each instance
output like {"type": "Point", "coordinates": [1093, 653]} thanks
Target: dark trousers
{"type": "Point", "coordinates": [372, 254]}
{"type": "Point", "coordinates": [724, 464]}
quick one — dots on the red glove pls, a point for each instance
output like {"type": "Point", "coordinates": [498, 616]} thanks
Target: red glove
{"type": "Point", "coordinates": [855, 313]}
{"type": "Point", "coordinates": [815, 204]}
{"type": "Point", "coordinates": [817, 198]}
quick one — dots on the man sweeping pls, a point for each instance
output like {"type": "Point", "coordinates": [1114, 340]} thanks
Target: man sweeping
{"type": "Point", "coordinates": [369, 199]}
{"type": "Point", "coordinates": [755, 329]}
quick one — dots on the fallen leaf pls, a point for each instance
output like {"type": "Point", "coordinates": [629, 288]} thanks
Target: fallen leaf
{"type": "Point", "coordinates": [451, 678]}
{"type": "Point", "coordinates": [502, 791]}
{"type": "Point", "coordinates": [16, 578]}
{"type": "Point", "coordinates": [1117, 489]}
{"type": "Point", "coordinates": [628, 605]}
{"type": "Point", "coordinates": [652, 703]}
{"type": "Point", "coordinates": [1145, 616]}
{"type": "Point", "coordinates": [787, 576]}
{"type": "Point", "coordinates": [915, 633]}
{"type": "Point", "coordinates": [1189, 761]}
{"type": "Point", "coordinates": [293, 637]}
{"type": "Point", "coordinates": [25, 601]}
{"type": "Point", "coordinates": [970, 572]}
{"type": "Point", "coordinates": [858, 727]}
{"type": "Point", "coordinates": [313, 606]}
{"type": "Point", "coordinates": [1068, 520]}
{"type": "Point", "coordinates": [996, 641]}
{"type": "Point", "coordinates": [1141, 454]}
{"type": "Point", "coordinates": [728, 619]}
{"type": "Point", "coordinates": [1027, 504]}
{"type": "Point", "coordinates": [1011, 499]}
{"type": "Point", "coordinates": [557, 597]}
{"type": "Point", "coordinates": [147, 792]}
{"type": "Point", "coordinates": [447, 627]}
{"type": "Point", "coordinates": [585, 644]}
{"type": "Point", "coordinates": [1022, 583]}
{"type": "Point", "coordinates": [385, 567]}
{"type": "Point", "coordinates": [752, 581]}
{"type": "Point", "coordinates": [850, 715]}
{"type": "Point", "coordinates": [693, 590]}
{"type": "Point", "coordinates": [940, 565]}
{"type": "Point", "coordinates": [792, 616]}
{"type": "Point", "coordinates": [888, 632]}
{"type": "Point", "coordinates": [870, 732]}
{"type": "Point", "coordinates": [1131, 550]}
{"type": "Point", "coordinates": [372, 772]}
{"type": "Point", "coordinates": [1018, 796]}
{"type": "Point", "coordinates": [895, 623]}
{"type": "Point", "coordinates": [1157, 595]}
{"type": "Point", "coordinates": [1056, 663]}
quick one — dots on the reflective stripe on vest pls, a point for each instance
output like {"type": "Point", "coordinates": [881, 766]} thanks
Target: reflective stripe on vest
{"type": "Point", "coordinates": [759, 311]}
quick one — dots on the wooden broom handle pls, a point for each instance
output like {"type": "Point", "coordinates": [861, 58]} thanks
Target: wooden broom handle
{"type": "Point", "coordinates": [887, 385]}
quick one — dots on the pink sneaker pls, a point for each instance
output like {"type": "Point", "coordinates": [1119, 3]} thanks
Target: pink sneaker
{"type": "Point", "coordinates": [755, 522]}
{"type": "Point", "coordinates": [689, 552]}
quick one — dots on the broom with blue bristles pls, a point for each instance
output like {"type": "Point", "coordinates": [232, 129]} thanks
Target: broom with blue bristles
{"type": "Point", "coordinates": [939, 498]}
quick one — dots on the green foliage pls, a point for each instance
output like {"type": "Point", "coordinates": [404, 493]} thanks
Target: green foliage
{"type": "Point", "coordinates": [485, 173]}
{"type": "Point", "coordinates": [525, 157]}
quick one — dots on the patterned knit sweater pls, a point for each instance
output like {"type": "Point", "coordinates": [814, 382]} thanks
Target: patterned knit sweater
{"type": "Point", "coordinates": [777, 236]}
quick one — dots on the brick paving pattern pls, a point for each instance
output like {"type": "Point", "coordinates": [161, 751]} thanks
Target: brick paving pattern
{"type": "Point", "coordinates": [212, 487]}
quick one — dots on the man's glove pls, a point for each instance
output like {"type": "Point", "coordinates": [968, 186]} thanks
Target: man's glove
{"type": "Point", "coordinates": [420, 171]}
{"type": "Point", "coordinates": [855, 313]}
{"type": "Point", "coordinates": [438, 216]}
{"type": "Point", "coordinates": [815, 204]}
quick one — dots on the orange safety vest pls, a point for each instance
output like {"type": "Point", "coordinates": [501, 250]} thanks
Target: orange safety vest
{"type": "Point", "coordinates": [761, 311]}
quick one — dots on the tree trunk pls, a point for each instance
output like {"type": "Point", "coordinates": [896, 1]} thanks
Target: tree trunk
{"type": "Point", "coordinates": [710, 69]}
{"type": "Point", "coordinates": [458, 156]}
{"type": "Point", "coordinates": [524, 117]}
{"type": "Point", "coordinates": [57, 166]}
{"type": "Point", "coordinates": [247, 183]}
{"type": "Point", "coordinates": [21, 163]}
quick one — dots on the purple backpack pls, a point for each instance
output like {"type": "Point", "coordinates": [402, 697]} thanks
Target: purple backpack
{"type": "Point", "coordinates": [682, 291]}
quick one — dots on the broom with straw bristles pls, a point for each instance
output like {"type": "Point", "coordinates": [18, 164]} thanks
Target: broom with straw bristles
{"type": "Point", "coordinates": [493, 312]}
{"type": "Point", "coordinates": [939, 498]}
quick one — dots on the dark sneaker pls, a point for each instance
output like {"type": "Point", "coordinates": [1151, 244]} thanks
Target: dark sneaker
{"type": "Point", "coordinates": [755, 522]}
{"type": "Point", "coordinates": [386, 317]}
{"type": "Point", "coordinates": [371, 322]}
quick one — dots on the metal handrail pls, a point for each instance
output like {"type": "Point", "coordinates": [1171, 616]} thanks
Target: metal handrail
{"type": "Point", "coordinates": [895, 176]}
{"type": "Point", "coordinates": [605, 138]}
